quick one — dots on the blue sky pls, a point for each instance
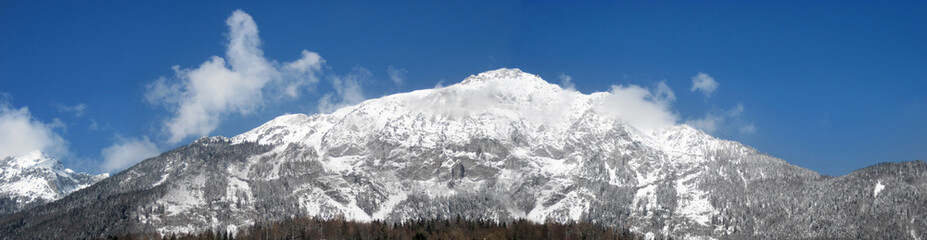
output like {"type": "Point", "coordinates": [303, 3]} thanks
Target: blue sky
{"type": "Point", "coordinates": [830, 86]}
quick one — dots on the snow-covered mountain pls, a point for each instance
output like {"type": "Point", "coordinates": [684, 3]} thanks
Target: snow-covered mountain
{"type": "Point", "coordinates": [34, 179]}
{"type": "Point", "coordinates": [500, 145]}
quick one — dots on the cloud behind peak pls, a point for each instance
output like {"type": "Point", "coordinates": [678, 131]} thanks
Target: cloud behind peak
{"type": "Point", "coordinates": [199, 98]}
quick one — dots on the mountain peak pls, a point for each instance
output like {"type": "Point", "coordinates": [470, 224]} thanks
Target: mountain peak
{"type": "Point", "coordinates": [501, 145]}
{"type": "Point", "coordinates": [30, 159]}
{"type": "Point", "coordinates": [502, 74]}
{"type": "Point", "coordinates": [35, 178]}
{"type": "Point", "coordinates": [492, 104]}
{"type": "Point", "coordinates": [507, 88]}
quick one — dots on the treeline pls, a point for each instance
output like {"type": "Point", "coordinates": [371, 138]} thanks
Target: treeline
{"type": "Point", "coordinates": [312, 228]}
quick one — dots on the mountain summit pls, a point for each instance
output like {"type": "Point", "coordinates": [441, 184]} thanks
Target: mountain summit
{"type": "Point", "coordinates": [500, 145]}
{"type": "Point", "coordinates": [34, 179]}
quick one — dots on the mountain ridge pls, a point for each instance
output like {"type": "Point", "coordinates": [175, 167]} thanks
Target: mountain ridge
{"type": "Point", "coordinates": [487, 148]}
{"type": "Point", "coordinates": [35, 178]}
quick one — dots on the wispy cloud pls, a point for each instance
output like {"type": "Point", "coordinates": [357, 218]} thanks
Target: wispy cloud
{"type": "Point", "coordinates": [398, 75]}
{"type": "Point", "coordinates": [718, 120]}
{"type": "Point", "coordinates": [302, 73]}
{"type": "Point", "coordinates": [347, 88]}
{"type": "Point", "coordinates": [646, 109]}
{"type": "Point", "coordinates": [201, 97]}
{"type": "Point", "coordinates": [663, 93]}
{"type": "Point", "coordinates": [566, 82]}
{"type": "Point", "coordinates": [78, 110]}
{"type": "Point", "coordinates": [127, 152]}
{"type": "Point", "coordinates": [93, 125]}
{"type": "Point", "coordinates": [748, 129]}
{"type": "Point", "coordinates": [708, 123]}
{"type": "Point", "coordinates": [20, 133]}
{"type": "Point", "coordinates": [704, 83]}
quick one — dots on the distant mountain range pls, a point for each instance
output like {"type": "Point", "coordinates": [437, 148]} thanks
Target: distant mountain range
{"type": "Point", "coordinates": [501, 145]}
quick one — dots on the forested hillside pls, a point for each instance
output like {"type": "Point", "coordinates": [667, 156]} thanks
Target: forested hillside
{"type": "Point", "coordinates": [458, 228]}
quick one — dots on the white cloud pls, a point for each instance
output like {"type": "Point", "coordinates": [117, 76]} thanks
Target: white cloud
{"type": "Point", "coordinates": [94, 125]}
{"type": "Point", "coordinates": [397, 75]}
{"type": "Point", "coordinates": [642, 108]}
{"type": "Point", "coordinates": [704, 83]}
{"type": "Point", "coordinates": [566, 82]}
{"type": "Point", "coordinates": [302, 73]}
{"type": "Point", "coordinates": [20, 133]}
{"type": "Point", "coordinates": [717, 120]}
{"type": "Point", "coordinates": [201, 97]}
{"type": "Point", "coordinates": [78, 110]}
{"type": "Point", "coordinates": [664, 93]}
{"type": "Point", "coordinates": [347, 88]}
{"type": "Point", "coordinates": [736, 111]}
{"type": "Point", "coordinates": [747, 129]}
{"type": "Point", "coordinates": [127, 152]}
{"type": "Point", "coordinates": [709, 123]}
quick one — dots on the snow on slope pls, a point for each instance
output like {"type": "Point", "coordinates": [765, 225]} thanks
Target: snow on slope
{"type": "Point", "coordinates": [509, 105]}
{"type": "Point", "coordinates": [35, 178]}
{"type": "Point", "coordinates": [490, 105]}
{"type": "Point", "coordinates": [500, 145]}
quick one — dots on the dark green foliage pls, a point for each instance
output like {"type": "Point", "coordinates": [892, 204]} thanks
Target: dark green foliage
{"type": "Point", "coordinates": [313, 228]}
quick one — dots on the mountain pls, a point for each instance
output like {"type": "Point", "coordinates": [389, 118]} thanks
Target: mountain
{"type": "Point", "coordinates": [501, 145]}
{"type": "Point", "coordinates": [34, 179]}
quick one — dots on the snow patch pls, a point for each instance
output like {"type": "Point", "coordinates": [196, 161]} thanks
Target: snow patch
{"type": "Point", "coordinates": [185, 197]}
{"type": "Point", "coordinates": [694, 203]}
{"type": "Point", "coordinates": [238, 192]}
{"type": "Point", "coordinates": [645, 198]}
{"type": "Point", "coordinates": [162, 180]}
{"type": "Point", "coordinates": [387, 207]}
{"type": "Point", "coordinates": [877, 189]}
{"type": "Point", "coordinates": [167, 230]}
{"type": "Point", "coordinates": [570, 208]}
{"type": "Point", "coordinates": [232, 229]}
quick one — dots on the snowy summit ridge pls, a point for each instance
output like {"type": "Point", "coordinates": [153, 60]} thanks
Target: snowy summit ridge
{"type": "Point", "coordinates": [491, 104]}
{"type": "Point", "coordinates": [35, 178]}
{"type": "Point", "coordinates": [524, 121]}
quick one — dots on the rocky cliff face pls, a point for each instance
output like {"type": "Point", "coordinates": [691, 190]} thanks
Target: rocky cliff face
{"type": "Point", "coordinates": [501, 145]}
{"type": "Point", "coordinates": [34, 179]}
